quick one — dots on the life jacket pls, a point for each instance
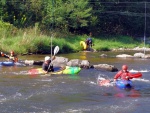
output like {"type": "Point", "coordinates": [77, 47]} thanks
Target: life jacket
{"type": "Point", "coordinates": [45, 67]}
{"type": "Point", "coordinates": [125, 75]}
{"type": "Point", "coordinates": [13, 58]}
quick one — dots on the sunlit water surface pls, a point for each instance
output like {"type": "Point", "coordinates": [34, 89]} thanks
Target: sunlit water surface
{"type": "Point", "coordinates": [23, 93]}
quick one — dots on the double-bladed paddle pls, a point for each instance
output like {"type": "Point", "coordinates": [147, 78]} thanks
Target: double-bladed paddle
{"type": "Point", "coordinates": [136, 75]}
{"type": "Point", "coordinates": [56, 50]}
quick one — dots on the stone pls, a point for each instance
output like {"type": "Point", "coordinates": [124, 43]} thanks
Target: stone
{"type": "Point", "coordinates": [106, 67]}
{"type": "Point", "coordinates": [124, 56]}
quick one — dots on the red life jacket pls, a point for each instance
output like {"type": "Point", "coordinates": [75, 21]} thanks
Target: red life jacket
{"type": "Point", "coordinates": [123, 75]}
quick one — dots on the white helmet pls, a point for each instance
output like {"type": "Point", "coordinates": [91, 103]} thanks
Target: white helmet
{"type": "Point", "coordinates": [47, 58]}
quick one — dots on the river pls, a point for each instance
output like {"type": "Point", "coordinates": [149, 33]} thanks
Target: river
{"type": "Point", "coordinates": [23, 93]}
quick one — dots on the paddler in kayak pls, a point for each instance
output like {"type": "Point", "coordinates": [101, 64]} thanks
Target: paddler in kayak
{"type": "Point", "coordinates": [123, 74]}
{"type": "Point", "coordinates": [12, 57]}
{"type": "Point", "coordinates": [47, 66]}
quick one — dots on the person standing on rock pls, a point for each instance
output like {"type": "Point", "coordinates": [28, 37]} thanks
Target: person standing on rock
{"type": "Point", "coordinates": [89, 42]}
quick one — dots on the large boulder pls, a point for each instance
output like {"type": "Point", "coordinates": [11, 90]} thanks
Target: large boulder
{"type": "Point", "coordinates": [60, 61]}
{"type": "Point", "coordinates": [79, 63]}
{"type": "Point", "coordinates": [139, 55]}
{"type": "Point", "coordinates": [74, 62]}
{"type": "Point", "coordinates": [84, 64]}
{"type": "Point", "coordinates": [106, 67]}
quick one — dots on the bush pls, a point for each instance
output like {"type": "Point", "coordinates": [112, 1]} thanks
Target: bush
{"type": "Point", "coordinates": [6, 29]}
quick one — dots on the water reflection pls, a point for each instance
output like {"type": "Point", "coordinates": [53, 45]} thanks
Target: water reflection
{"type": "Point", "coordinates": [128, 93]}
{"type": "Point", "coordinates": [123, 93]}
{"type": "Point", "coordinates": [74, 77]}
{"type": "Point", "coordinates": [83, 55]}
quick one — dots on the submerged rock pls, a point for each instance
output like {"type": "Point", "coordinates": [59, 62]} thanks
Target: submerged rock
{"type": "Point", "coordinates": [103, 55]}
{"type": "Point", "coordinates": [147, 56]}
{"type": "Point", "coordinates": [124, 56]}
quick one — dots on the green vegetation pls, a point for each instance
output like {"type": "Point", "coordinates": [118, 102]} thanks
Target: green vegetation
{"type": "Point", "coordinates": [29, 40]}
{"type": "Point", "coordinates": [109, 43]}
{"type": "Point", "coordinates": [28, 25]}
{"type": "Point", "coordinates": [111, 17]}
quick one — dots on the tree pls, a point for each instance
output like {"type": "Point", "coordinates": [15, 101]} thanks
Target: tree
{"type": "Point", "coordinates": [23, 13]}
{"type": "Point", "coordinates": [2, 3]}
{"type": "Point", "coordinates": [67, 14]}
{"type": "Point", "coordinates": [120, 17]}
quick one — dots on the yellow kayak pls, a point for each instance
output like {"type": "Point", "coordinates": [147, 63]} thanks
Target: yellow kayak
{"type": "Point", "coordinates": [83, 44]}
{"type": "Point", "coordinates": [57, 70]}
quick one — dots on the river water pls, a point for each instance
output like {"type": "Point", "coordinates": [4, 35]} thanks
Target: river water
{"type": "Point", "coordinates": [23, 93]}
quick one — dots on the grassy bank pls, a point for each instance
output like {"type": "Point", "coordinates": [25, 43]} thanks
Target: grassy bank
{"type": "Point", "coordinates": [26, 41]}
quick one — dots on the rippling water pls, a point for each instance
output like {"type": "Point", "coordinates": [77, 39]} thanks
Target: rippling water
{"type": "Point", "coordinates": [23, 93]}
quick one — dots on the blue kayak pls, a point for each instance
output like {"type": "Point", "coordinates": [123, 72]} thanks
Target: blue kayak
{"type": "Point", "coordinates": [9, 63]}
{"type": "Point", "coordinates": [124, 83]}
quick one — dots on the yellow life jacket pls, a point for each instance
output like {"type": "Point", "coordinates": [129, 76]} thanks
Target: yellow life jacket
{"type": "Point", "coordinates": [13, 58]}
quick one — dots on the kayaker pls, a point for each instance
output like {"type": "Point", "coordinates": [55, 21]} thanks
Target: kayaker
{"type": "Point", "coordinates": [47, 63]}
{"type": "Point", "coordinates": [12, 57]}
{"type": "Point", "coordinates": [89, 42]}
{"type": "Point", "coordinates": [123, 74]}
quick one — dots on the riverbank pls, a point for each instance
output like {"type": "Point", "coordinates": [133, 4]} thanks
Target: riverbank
{"type": "Point", "coordinates": [132, 49]}
{"type": "Point", "coordinates": [28, 42]}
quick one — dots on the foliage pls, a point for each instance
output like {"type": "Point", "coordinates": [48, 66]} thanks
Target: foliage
{"type": "Point", "coordinates": [27, 41]}
{"type": "Point", "coordinates": [65, 15]}
{"type": "Point", "coordinates": [23, 13]}
{"type": "Point", "coordinates": [2, 3]}
{"type": "Point", "coordinates": [6, 29]}
{"type": "Point", "coordinates": [111, 17]}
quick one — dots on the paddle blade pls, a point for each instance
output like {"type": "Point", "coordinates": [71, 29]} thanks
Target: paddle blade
{"type": "Point", "coordinates": [104, 82]}
{"type": "Point", "coordinates": [56, 50]}
{"type": "Point", "coordinates": [136, 75]}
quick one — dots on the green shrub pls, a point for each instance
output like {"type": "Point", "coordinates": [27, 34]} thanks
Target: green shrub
{"type": "Point", "coordinates": [6, 29]}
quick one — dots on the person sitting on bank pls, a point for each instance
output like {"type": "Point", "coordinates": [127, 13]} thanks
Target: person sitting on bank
{"type": "Point", "coordinates": [123, 74]}
{"type": "Point", "coordinates": [12, 57]}
{"type": "Point", "coordinates": [47, 66]}
{"type": "Point", "coordinates": [89, 42]}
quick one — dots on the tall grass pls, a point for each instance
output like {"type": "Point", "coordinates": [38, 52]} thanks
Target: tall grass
{"type": "Point", "coordinates": [32, 40]}
{"type": "Point", "coordinates": [109, 43]}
